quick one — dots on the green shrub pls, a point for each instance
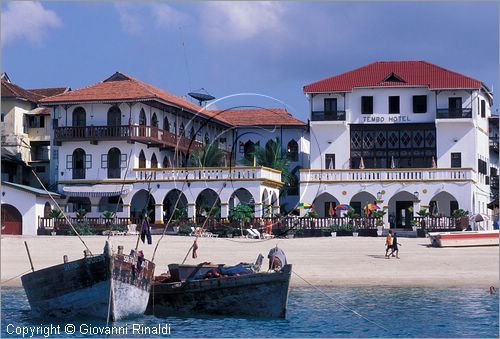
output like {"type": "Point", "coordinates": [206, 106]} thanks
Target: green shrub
{"type": "Point", "coordinates": [118, 227]}
{"type": "Point", "coordinates": [459, 213]}
{"type": "Point", "coordinates": [83, 228]}
{"type": "Point", "coordinates": [184, 230]}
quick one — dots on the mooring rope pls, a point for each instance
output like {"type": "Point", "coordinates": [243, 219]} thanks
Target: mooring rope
{"type": "Point", "coordinates": [169, 219]}
{"type": "Point", "coordinates": [121, 189]}
{"type": "Point", "coordinates": [17, 276]}
{"type": "Point", "coordinates": [194, 246]}
{"type": "Point", "coordinates": [341, 304]}
{"type": "Point", "coordinates": [65, 217]}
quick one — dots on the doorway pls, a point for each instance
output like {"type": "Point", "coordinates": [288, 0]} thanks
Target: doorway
{"type": "Point", "coordinates": [403, 214]}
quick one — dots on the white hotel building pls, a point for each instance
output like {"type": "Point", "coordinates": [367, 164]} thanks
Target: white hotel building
{"type": "Point", "coordinates": [406, 134]}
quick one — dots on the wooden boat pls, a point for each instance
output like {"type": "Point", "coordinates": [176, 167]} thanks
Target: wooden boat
{"type": "Point", "coordinates": [107, 286]}
{"type": "Point", "coordinates": [464, 238]}
{"type": "Point", "coordinates": [188, 291]}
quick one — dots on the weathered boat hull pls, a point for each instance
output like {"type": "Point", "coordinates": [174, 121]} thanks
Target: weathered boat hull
{"type": "Point", "coordinates": [254, 295]}
{"type": "Point", "coordinates": [464, 239]}
{"type": "Point", "coordinates": [104, 286]}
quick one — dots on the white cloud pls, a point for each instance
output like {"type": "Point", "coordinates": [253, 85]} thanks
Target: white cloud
{"type": "Point", "coordinates": [167, 16]}
{"type": "Point", "coordinates": [241, 21]}
{"type": "Point", "coordinates": [26, 20]}
{"type": "Point", "coordinates": [130, 20]}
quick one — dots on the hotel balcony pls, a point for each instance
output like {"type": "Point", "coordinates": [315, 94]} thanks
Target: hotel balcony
{"type": "Point", "coordinates": [149, 135]}
{"type": "Point", "coordinates": [388, 175]}
{"type": "Point", "coordinates": [328, 116]}
{"type": "Point", "coordinates": [209, 174]}
{"type": "Point", "coordinates": [450, 113]}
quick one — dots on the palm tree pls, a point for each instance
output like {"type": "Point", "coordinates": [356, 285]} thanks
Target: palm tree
{"type": "Point", "coordinates": [272, 156]}
{"type": "Point", "coordinates": [210, 155]}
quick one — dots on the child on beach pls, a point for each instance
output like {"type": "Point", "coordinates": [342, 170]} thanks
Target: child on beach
{"type": "Point", "coordinates": [388, 243]}
{"type": "Point", "coordinates": [395, 246]}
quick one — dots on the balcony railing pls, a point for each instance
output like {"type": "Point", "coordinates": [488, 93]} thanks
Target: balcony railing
{"type": "Point", "coordinates": [453, 113]}
{"type": "Point", "coordinates": [328, 116]}
{"type": "Point", "coordinates": [494, 144]}
{"type": "Point", "coordinates": [374, 175]}
{"type": "Point", "coordinates": [494, 181]}
{"type": "Point", "coordinates": [145, 134]}
{"type": "Point", "coordinates": [208, 173]}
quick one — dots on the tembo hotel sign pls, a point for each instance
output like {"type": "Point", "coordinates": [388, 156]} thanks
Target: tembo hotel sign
{"type": "Point", "coordinates": [385, 118]}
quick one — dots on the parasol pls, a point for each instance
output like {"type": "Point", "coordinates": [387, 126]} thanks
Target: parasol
{"type": "Point", "coordinates": [343, 207]}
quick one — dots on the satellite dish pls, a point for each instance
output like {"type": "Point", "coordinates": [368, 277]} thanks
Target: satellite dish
{"type": "Point", "coordinates": [201, 97]}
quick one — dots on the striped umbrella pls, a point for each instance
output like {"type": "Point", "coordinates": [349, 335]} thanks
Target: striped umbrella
{"type": "Point", "coordinates": [304, 205]}
{"type": "Point", "coordinates": [344, 207]}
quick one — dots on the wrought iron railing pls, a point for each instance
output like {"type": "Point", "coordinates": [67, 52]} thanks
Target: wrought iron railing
{"type": "Point", "coordinates": [453, 113]}
{"type": "Point", "coordinates": [328, 115]}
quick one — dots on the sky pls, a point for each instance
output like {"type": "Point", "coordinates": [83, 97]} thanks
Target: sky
{"type": "Point", "coordinates": [234, 49]}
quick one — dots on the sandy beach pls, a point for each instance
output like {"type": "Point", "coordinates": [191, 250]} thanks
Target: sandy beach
{"type": "Point", "coordinates": [340, 261]}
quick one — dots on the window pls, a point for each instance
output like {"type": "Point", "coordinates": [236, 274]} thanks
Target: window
{"type": "Point", "coordinates": [456, 160]}
{"type": "Point", "coordinates": [166, 124]}
{"type": "Point", "coordinates": [329, 161]}
{"type": "Point", "coordinates": [142, 160]}
{"type": "Point", "coordinates": [2, 117]}
{"type": "Point", "coordinates": [293, 150]}
{"type": "Point", "coordinates": [455, 104]}
{"type": "Point", "coordinates": [419, 103]}
{"type": "Point", "coordinates": [453, 206]}
{"type": "Point", "coordinates": [154, 161]}
{"type": "Point", "coordinates": [483, 109]}
{"type": "Point", "coordinates": [80, 163]}
{"type": "Point", "coordinates": [330, 105]}
{"type": "Point", "coordinates": [154, 120]}
{"type": "Point", "coordinates": [367, 105]}
{"type": "Point", "coordinates": [394, 105]}
{"type": "Point", "coordinates": [114, 116]}
{"type": "Point", "coordinates": [482, 167]}
{"type": "Point", "coordinates": [79, 117]}
{"type": "Point", "coordinates": [114, 163]}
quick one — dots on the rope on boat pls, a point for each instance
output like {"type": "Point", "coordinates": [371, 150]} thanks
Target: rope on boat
{"type": "Point", "coordinates": [194, 246]}
{"type": "Point", "coordinates": [17, 276]}
{"type": "Point", "coordinates": [341, 304]}
{"type": "Point", "coordinates": [121, 189]}
{"type": "Point", "coordinates": [65, 217]}
{"type": "Point", "coordinates": [169, 219]}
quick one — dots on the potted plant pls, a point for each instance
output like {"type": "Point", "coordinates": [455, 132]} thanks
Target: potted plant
{"type": "Point", "coordinates": [378, 215]}
{"type": "Point", "coordinates": [333, 230]}
{"type": "Point", "coordinates": [423, 213]}
{"type": "Point", "coordinates": [414, 225]}
{"type": "Point", "coordinates": [108, 215]}
{"type": "Point", "coordinates": [56, 214]}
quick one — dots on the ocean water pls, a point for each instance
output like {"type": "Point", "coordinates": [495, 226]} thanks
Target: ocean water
{"type": "Point", "coordinates": [342, 312]}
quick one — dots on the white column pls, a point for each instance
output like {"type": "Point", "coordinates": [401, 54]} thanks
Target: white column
{"type": "Point", "coordinates": [224, 210]}
{"type": "Point", "coordinates": [159, 213]}
{"type": "Point", "coordinates": [191, 210]}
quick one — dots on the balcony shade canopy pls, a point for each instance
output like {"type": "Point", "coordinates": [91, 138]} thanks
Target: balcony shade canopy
{"type": "Point", "coordinates": [97, 190]}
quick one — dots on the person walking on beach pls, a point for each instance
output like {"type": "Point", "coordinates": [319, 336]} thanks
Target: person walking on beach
{"type": "Point", "coordinates": [395, 246]}
{"type": "Point", "coordinates": [388, 243]}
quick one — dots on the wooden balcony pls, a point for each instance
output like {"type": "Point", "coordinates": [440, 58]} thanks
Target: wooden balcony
{"type": "Point", "coordinates": [152, 136]}
{"type": "Point", "coordinates": [387, 175]}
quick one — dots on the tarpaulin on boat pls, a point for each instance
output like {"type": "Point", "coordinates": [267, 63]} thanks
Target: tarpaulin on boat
{"type": "Point", "coordinates": [97, 190]}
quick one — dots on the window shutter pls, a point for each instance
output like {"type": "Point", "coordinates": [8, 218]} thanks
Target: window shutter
{"type": "Point", "coordinates": [104, 161]}
{"type": "Point", "coordinates": [69, 161]}
{"type": "Point", "coordinates": [123, 160]}
{"type": "Point", "coordinates": [88, 161]}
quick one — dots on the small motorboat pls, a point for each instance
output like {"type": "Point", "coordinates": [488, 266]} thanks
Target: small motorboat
{"type": "Point", "coordinates": [464, 238]}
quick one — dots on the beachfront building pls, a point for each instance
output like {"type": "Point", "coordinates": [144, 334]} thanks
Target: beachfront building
{"type": "Point", "coordinates": [119, 139]}
{"type": "Point", "coordinates": [406, 135]}
{"type": "Point", "coordinates": [25, 133]}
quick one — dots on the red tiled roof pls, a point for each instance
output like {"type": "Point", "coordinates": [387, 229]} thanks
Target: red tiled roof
{"type": "Point", "coordinates": [120, 87]}
{"type": "Point", "coordinates": [257, 117]}
{"type": "Point", "coordinates": [48, 92]}
{"type": "Point", "coordinates": [412, 73]}
{"type": "Point", "coordinates": [10, 90]}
